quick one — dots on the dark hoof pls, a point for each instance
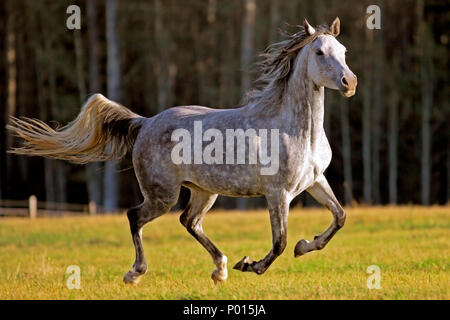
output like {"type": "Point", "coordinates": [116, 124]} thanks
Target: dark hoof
{"type": "Point", "coordinates": [132, 277]}
{"type": "Point", "coordinates": [246, 264]}
{"type": "Point", "coordinates": [301, 248]}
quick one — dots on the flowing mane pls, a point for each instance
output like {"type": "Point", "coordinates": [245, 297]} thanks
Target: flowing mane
{"type": "Point", "coordinates": [276, 66]}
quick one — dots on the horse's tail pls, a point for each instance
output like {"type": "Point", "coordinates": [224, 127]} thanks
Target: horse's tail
{"type": "Point", "coordinates": [103, 130]}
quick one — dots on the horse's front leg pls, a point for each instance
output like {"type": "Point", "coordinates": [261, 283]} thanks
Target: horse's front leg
{"type": "Point", "coordinates": [279, 211]}
{"type": "Point", "coordinates": [321, 191]}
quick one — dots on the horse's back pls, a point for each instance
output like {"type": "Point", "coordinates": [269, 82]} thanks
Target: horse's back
{"type": "Point", "coordinates": [187, 111]}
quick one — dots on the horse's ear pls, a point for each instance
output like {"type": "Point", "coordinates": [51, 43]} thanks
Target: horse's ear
{"type": "Point", "coordinates": [336, 27]}
{"type": "Point", "coordinates": [308, 28]}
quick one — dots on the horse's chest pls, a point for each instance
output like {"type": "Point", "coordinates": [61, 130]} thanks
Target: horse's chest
{"type": "Point", "coordinates": [320, 157]}
{"type": "Point", "coordinates": [310, 162]}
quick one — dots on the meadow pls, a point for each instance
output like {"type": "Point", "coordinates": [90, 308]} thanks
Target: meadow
{"type": "Point", "coordinates": [409, 244]}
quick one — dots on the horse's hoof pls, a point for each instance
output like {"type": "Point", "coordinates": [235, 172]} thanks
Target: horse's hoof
{"type": "Point", "coordinates": [301, 248]}
{"type": "Point", "coordinates": [132, 278]}
{"type": "Point", "coordinates": [245, 264]}
{"type": "Point", "coordinates": [219, 277]}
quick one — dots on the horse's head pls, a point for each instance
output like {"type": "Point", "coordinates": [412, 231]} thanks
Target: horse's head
{"type": "Point", "coordinates": [326, 61]}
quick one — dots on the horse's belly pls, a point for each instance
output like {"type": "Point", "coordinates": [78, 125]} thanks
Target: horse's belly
{"type": "Point", "coordinates": [228, 180]}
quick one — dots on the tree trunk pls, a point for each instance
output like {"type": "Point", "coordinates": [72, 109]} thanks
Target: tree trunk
{"type": "Point", "coordinates": [247, 43]}
{"type": "Point", "coordinates": [366, 128]}
{"type": "Point", "coordinates": [49, 167]}
{"type": "Point", "coordinates": [274, 20]}
{"type": "Point", "coordinates": [110, 181]}
{"type": "Point", "coordinates": [166, 70]}
{"type": "Point", "coordinates": [393, 146]}
{"type": "Point", "coordinates": [346, 153]}
{"type": "Point", "coordinates": [11, 81]}
{"type": "Point", "coordinates": [93, 172]}
{"type": "Point", "coordinates": [427, 87]}
{"type": "Point", "coordinates": [40, 57]}
{"type": "Point", "coordinates": [227, 85]}
{"type": "Point", "coordinates": [149, 85]}
{"type": "Point", "coordinates": [426, 146]}
{"type": "Point", "coordinates": [377, 112]}
{"type": "Point", "coordinates": [427, 102]}
{"type": "Point", "coordinates": [205, 48]}
{"type": "Point", "coordinates": [61, 183]}
{"type": "Point", "coordinates": [11, 61]}
{"type": "Point", "coordinates": [54, 169]}
{"type": "Point", "coordinates": [79, 61]}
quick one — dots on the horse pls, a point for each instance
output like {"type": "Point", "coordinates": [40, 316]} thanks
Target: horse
{"type": "Point", "coordinates": [289, 98]}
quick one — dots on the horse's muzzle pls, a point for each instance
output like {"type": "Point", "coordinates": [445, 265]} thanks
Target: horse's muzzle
{"type": "Point", "coordinates": [348, 84]}
{"type": "Point", "coordinates": [348, 93]}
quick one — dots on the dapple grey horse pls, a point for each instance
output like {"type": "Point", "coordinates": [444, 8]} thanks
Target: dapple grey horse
{"type": "Point", "coordinates": [290, 98]}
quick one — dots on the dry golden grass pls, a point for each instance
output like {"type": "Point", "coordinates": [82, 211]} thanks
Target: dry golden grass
{"type": "Point", "coordinates": [409, 244]}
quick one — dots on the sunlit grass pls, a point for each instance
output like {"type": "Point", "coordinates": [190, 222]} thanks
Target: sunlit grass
{"type": "Point", "coordinates": [409, 244]}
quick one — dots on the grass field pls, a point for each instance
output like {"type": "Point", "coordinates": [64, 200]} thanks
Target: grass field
{"type": "Point", "coordinates": [409, 244]}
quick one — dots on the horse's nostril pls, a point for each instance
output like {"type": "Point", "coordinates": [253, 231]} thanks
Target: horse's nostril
{"type": "Point", "coordinates": [344, 81]}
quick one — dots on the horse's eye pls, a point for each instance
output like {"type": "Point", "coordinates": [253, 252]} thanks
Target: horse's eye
{"type": "Point", "coordinates": [319, 53]}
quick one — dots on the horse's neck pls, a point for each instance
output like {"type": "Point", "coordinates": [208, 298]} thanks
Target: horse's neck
{"type": "Point", "coordinates": [304, 105]}
{"type": "Point", "coordinates": [301, 110]}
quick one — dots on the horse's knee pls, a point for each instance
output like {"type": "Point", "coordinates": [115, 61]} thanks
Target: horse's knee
{"type": "Point", "coordinates": [279, 245]}
{"type": "Point", "coordinates": [340, 218]}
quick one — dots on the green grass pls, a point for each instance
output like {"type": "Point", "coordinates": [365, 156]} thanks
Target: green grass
{"type": "Point", "coordinates": [409, 244]}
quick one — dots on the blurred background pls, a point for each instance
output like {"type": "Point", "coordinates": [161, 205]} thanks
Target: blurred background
{"type": "Point", "coordinates": [390, 142]}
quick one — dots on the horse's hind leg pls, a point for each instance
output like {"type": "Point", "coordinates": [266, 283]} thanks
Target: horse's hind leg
{"type": "Point", "coordinates": [322, 192]}
{"type": "Point", "coordinates": [138, 216]}
{"type": "Point", "coordinates": [192, 218]}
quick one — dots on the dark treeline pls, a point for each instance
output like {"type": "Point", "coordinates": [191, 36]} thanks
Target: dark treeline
{"type": "Point", "coordinates": [390, 142]}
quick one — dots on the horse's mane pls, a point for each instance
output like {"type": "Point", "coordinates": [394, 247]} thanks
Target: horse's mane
{"type": "Point", "coordinates": [277, 63]}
